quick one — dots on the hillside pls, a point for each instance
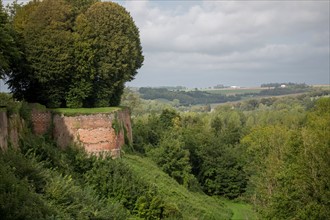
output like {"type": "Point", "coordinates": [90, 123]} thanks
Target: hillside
{"type": "Point", "coordinates": [193, 205]}
{"type": "Point", "coordinates": [55, 180]}
{"type": "Point", "coordinates": [62, 180]}
{"type": "Point", "coordinates": [181, 165]}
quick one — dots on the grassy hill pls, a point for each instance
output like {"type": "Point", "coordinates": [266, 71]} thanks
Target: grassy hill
{"type": "Point", "coordinates": [193, 205]}
{"type": "Point", "coordinates": [46, 182]}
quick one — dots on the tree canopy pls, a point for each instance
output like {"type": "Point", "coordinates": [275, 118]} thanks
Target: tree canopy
{"type": "Point", "coordinates": [78, 53]}
{"type": "Point", "coordinates": [9, 50]}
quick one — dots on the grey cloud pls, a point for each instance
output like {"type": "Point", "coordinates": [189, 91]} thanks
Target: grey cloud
{"type": "Point", "coordinates": [218, 37]}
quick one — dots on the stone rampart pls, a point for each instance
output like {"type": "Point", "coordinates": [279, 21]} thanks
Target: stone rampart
{"type": "Point", "coordinates": [10, 129]}
{"type": "Point", "coordinates": [3, 130]}
{"type": "Point", "coordinates": [106, 132]}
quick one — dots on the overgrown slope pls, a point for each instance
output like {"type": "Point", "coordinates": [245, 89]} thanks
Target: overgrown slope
{"type": "Point", "coordinates": [193, 205]}
{"type": "Point", "coordinates": [40, 181]}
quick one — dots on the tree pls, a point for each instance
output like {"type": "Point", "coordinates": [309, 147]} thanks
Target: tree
{"type": "Point", "coordinates": [9, 50]}
{"type": "Point", "coordinates": [79, 53]}
{"type": "Point", "coordinates": [109, 50]}
{"type": "Point", "coordinates": [45, 29]}
{"type": "Point", "coordinates": [168, 118]}
{"type": "Point", "coordinates": [221, 172]}
{"type": "Point", "coordinates": [173, 159]}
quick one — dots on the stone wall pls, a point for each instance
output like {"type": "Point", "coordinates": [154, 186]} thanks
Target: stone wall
{"type": "Point", "coordinates": [95, 132]}
{"type": "Point", "coordinates": [10, 129]}
{"type": "Point", "coordinates": [3, 130]}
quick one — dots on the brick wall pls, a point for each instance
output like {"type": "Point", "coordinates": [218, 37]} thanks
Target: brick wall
{"type": "Point", "coordinates": [3, 130]}
{"type": "Point", "coordinates": [41, 121]}
{"type": "Point", "coordinates": [94, 132]}
{"type": "Point", "coordinates": [10, 129]}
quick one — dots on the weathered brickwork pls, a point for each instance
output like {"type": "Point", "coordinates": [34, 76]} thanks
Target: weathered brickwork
{"type": "Point", "coordinates": [95, 132]}
{"type": "Point", "coordinates": [10, 129]}
{"type": "Point", "coordinates": [3, 130]}
{"type": "Point", "coordinates": [41, 121]}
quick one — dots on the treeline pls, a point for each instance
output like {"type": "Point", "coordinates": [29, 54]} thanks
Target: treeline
{"type": "Point", "coordinates": [287, 84]}
{"type": "Point", "coordinates": [198, 97]}
{"type": "Point", "coordinates": [185, 98]}
{"type": "Point", "coordinates": [288, 88]}
{"type": "Point", "coordinates": [271, 152]}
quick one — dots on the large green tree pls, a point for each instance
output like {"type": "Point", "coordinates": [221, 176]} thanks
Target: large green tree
{"type": "Point", "coordinates": [9, 50]}
{"type": "Point", "coordinates": [109, 52]}
{"type": "Point", "coordinates": [78, 53]}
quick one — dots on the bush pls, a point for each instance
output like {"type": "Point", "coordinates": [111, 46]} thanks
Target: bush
{"type": "Point", "coordinates": [19, 181]}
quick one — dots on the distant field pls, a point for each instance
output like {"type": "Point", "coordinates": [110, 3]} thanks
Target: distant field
{"type": "Point", "coordinates": [238, 91]}
{"type": "Point", "coordinates": [323, 86]}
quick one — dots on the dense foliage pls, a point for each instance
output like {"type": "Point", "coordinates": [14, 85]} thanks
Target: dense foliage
{"type": "Point", "coordinates": [272, 152]}
{"type": "Point", "coordinates": [10, 53]}
{"type": "Point", "coordinates": [38, 180]}
{"type": "Point", "coordinates": [76, 53]}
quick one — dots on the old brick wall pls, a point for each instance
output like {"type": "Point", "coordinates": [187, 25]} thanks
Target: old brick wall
{"type": "Point", "coordinates": [15, 127]}
{"type": "Point", "coordinates": [10, 129]}
{"type": "Point", "coordinates": [41, 121]}
{"type": "Point", "coordinates": [3, 130]}
{"type": "Point", "coordinates": [96, 132]}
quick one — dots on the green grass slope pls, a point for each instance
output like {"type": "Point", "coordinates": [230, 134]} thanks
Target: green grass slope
{"type": "Point", "coordinates": [241, 211]}
{"type": "Point", "coordinates": [192, 205]}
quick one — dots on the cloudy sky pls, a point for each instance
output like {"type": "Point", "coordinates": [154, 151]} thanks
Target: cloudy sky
{"type": "Point", "coordinates": [204, 43]}
{"type": "Point", "coordinates": [245, 43]}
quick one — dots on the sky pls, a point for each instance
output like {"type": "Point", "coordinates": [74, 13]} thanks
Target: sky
{"type": "Point", "coordinates": [200, 44]}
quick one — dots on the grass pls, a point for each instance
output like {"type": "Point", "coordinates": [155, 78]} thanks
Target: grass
{"type": "Point", "coordinates": [85, 111]}
{"type": "Point", "coordinates": [193, 205]}
{"type": "Point", "coordinates": [241, 211]}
